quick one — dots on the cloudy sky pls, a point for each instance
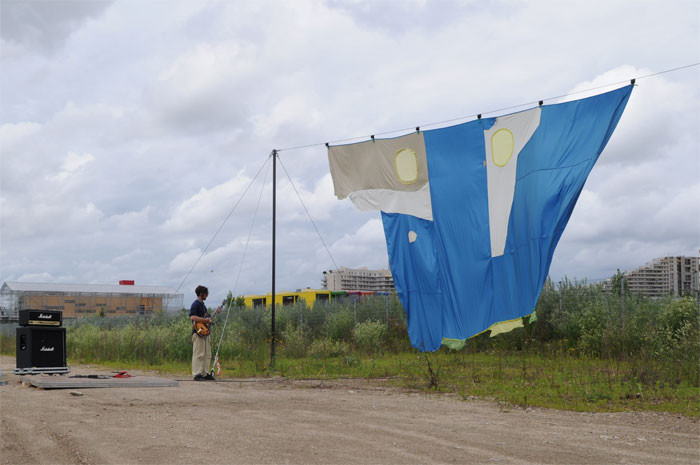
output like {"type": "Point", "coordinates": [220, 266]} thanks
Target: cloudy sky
{"type": "Point", "coordinates": [130, 130]}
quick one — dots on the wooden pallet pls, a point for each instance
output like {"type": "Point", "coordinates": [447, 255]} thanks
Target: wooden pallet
{"type": "Point", "coordinates": [64, 382]}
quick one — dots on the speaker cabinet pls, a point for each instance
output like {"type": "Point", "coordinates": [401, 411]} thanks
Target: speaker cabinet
{"type": "Point", "coordinates": [41, 347]}
{"type": "Point", "coordinates": [29, 317]}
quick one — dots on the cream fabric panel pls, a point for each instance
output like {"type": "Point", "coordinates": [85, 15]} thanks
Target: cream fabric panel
{"type": "Point", "coordinates": [371, 165]}
{"type": "Point", "coordinates": [390, 175]}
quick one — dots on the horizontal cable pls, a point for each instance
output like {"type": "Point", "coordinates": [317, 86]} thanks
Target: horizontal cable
{"type": "Point", "coordinates": [338, 141]}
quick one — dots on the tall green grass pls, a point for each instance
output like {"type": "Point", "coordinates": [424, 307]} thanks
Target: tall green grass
{"type": "Point", "coordinates": [582, 350]}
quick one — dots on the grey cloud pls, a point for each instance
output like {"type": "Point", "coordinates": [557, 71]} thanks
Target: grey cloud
{"type": "Point", "coordinates": [175, 101]}
{"type": "Point", "coordinates": [44, 26]}
{"type": "Point", "coordinates": [399, 18]}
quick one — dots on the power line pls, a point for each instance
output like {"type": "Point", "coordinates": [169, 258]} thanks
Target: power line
{"type": "Point", "coordinates": [437, 123]}
{"type": "Point", "coordinates": [392, 132]}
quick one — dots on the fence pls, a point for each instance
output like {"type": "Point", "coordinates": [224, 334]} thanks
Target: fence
{"type": "Point", "coordinates": [335, 320]}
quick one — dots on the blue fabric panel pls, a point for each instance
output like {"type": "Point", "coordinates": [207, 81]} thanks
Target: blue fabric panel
{"type": "Point", "coordinates": [458, 193]}
{"type": "Point", "coordinates": [416, 273]}
{"type": "Point", "coordinates": [552, 170]}
{"type": "Point", "coordinates": [447, 280]}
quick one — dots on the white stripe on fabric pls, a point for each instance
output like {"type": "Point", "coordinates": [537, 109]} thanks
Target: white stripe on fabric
{"type": "Point", "coordinates": [501, 169]}
{"type": "Point", "coordinates": [391, 201]}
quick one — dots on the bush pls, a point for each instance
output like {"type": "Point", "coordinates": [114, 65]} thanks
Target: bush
{"type": "Point", "coordinates": [294, 342]}
{"type": "Point", "coordinates": [340, 325]}
{"type": "Point", "coordinates": [678, 338]}
{"type": "Point", "coordinates": [368, 336]}
{"type": "Point", "coordinates": [601, 332]}
{"type": "Point", "coordinates": [326, 348]}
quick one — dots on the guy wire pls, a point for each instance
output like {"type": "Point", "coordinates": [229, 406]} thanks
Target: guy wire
{"type": "Point", "coordinates": [307, 212]}
{"type": "Point", "coordinates": [222, 224]}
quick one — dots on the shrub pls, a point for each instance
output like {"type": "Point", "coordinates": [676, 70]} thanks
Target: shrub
{"type": "Point", "coordinates": [340, 325]}
{"type": "Point", "coordinates": [325, 348]}
{"type": "Point", "coordinates": [678, 338]}
{"type": "Point", "coordinates": [294, 342]}
{"type": "Point", "coordinates": [368, 336]}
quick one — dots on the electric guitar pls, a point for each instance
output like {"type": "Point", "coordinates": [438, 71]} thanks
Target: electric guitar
{"type": "Point", "coordinates": [204, 329]}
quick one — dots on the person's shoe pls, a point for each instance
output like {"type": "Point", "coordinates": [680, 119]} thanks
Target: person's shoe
{"type": "Point", "coordinates": [199, 377]}
{"type": "Point", "coordinates": [209, 377]}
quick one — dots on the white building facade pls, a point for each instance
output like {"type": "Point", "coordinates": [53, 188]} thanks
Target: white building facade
{"type": "Point", "coordinates": [358, 279]}
{"type": "Point", "coordinates": [666, 276]}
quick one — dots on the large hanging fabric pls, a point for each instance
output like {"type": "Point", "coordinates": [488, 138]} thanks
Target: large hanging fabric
{"type": "Point", "coordinates": [472, 213]}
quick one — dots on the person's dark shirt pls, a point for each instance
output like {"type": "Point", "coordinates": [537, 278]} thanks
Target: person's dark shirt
{"type": "Point", "coordinates": [198, 309]}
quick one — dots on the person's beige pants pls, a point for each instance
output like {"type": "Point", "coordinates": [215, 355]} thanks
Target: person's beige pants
{"type": "Point", "coordinates": [201, 354]}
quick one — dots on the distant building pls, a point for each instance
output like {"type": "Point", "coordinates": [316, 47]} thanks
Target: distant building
{"type": "Point", "coordinates": [77, 300]}
{"type": "Point", "coordinates": [310, 297]}
{"type": "Point", "coordinates": [358, 279]}
{"type": "Point", "coordinates": [667, 276]}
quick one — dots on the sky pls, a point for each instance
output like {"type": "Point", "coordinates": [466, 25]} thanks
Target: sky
{"type": "Point", "coordinates": [135, 135]}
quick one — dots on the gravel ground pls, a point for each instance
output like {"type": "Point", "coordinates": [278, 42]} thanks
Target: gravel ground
{"type": "Point", "coordinates": [317, 422]}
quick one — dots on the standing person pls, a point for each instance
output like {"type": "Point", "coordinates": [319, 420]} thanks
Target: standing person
{"type": "Point", "coordinates": [201, 345]}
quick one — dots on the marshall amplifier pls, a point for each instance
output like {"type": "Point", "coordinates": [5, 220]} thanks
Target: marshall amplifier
{"type": "Point", "coordinates": [41, 350]}
{"type": "Point", "coordinates": [40, 317]}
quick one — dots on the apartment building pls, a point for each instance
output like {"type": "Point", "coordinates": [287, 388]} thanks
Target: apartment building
{"type": "Point", "coordinates": [358, 279]}
{"type": "Point", "coordinates": [666, 276]}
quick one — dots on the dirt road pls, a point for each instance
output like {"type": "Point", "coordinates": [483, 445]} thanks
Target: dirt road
{"type": "Point", "coordinates": [317, 422]}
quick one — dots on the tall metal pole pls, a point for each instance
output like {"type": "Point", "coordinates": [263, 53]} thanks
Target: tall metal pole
{"type": "Point", "coordinates": [274, 225]}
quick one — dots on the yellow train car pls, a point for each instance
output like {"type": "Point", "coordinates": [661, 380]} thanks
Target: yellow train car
{"type": "Point", "coordinates": [311, 297]}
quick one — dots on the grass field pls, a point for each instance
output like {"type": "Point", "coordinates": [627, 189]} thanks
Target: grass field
{"type": "Point", "coordinates": [569, 383]}
{"type": "Point", "coordinates": [581, 352]}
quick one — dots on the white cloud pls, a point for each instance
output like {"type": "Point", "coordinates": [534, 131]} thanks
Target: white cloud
{"type": "Point", "coordinates": [71, 165]}
{"type": "Point", "coordinates": [286, 112]}
{"type": "Point", "coordinates": [208, 207]}
{"type": "Point", "coordinates": [168, 112]}
{"type": "Point", "coordinates": [36, 278]}
{"type": "Point", "coordinates": [184, 261]}
{"type": "Point", "coordinates": [640, 201]}
{"type": "Point", "coordinates": [12, 134]}
{"type": "Point", "coordinates": [363, 247]}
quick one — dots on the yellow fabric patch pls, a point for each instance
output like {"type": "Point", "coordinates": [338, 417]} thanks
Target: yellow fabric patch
{"type": "Point", "coordinates": [496, 329]}
{"type": "Point", "coordinates": [406, 166]}
{"type": "Point", "coordinates": [505, 326]}
{"type": "Point", "coordinates": [454, 344]}
{"type": "Point", "coordinates": [502, 144]}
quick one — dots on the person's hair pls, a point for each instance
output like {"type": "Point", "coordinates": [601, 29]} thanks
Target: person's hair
{"type": "Point", "coordinates": [201, 290]}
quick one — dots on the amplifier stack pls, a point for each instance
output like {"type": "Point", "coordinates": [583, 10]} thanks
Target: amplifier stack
{"type": "Point", "coordinates": [40, 318]}
{"type": "Point", "coordinates": [41, 342]}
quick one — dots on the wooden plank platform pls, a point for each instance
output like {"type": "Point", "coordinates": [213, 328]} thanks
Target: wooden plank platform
{"type": "Point", "coordinates": [65, 382]}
